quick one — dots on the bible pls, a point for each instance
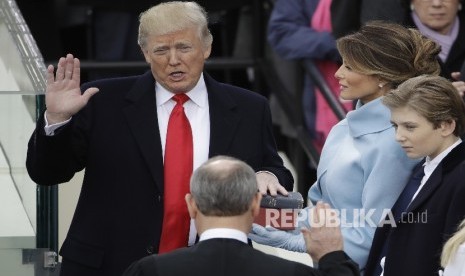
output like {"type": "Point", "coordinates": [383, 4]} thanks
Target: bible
{"type": "Point", "coordinates": [280, 211]}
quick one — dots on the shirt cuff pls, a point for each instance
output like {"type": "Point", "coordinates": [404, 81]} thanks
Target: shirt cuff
{"type": "Point", "coordinates": [50, 129]}
{"type": "Point", "coordinates": [268, 172]}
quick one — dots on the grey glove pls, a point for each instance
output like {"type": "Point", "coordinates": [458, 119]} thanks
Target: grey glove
{"type": "Point", "coordinates": [289, 240]}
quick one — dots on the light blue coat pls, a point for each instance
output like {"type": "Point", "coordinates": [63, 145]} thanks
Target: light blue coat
{"type": "Point", "coordinates": [362, 169]}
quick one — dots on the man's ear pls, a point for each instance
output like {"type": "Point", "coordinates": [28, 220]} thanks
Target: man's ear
{"type": "Point", "coordinates": [191, 206]}
{"type": "Point", "coordinates": [207, 51]}
{"type": "Point", "coordinates": [146, 55]}
{"type": "Point", "coordinates": [255, 207]}
{"type": "Point", "coordinates": [447, 127]}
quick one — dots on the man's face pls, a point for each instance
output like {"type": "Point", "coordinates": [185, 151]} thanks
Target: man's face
{"type": "Point", "coordinates": [177, 59]}
{"type": "Point", "coordinates": [417, 136]}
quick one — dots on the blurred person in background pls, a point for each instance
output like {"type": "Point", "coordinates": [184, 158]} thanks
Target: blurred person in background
{"type": "Point", "coordinates": [453, 253]}
{"type": "Point", "coordinates": [301, 29]}
{"type": "Point", "coordinates": [443, 21]}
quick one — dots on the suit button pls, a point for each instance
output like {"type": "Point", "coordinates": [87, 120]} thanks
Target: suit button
{"type": "Point", "coordinates": [150, 249]}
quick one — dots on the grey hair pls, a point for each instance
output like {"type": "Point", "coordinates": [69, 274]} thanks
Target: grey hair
{"type": "Point", "coordinates": [223, 186]}
{"type": "Point", "coordinates": [173, 16]}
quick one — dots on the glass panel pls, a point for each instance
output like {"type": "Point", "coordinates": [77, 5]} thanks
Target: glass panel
{"type": "Point", "coordinates": [27, 262]}
{"type": "Point", "coordinates": [21, 65]}
{"type": "Point", "coordinates": [21, 80]}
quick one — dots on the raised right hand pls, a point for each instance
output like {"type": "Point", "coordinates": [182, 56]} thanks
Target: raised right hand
{"type": "Point", "coordinates": [63, 96]}
{"type": "Point", "coordinates": [324, 235]}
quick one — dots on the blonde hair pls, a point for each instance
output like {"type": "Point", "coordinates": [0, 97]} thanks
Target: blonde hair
{"type": "Point", "coordinates": [432, 97]}
{"type": "Point", "coordinates": [389, 51]}
{"type": "Point", "coordinates": [452, 245]}
{"type": "Point", "coordinates": [173, 16]}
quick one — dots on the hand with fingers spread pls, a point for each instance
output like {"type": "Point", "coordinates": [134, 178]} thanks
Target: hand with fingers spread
{"type": "Point", "coordinates": [63, 96]}
{"type": "Point", "coordinates": [269, 183]}
{"type": "Point", "coordinates": [324, 235]}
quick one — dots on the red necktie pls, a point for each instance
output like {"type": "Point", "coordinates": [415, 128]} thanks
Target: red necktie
{"type": "Point", "coordinates": [177, 169]}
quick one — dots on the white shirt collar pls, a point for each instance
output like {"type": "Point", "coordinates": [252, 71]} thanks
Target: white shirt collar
{"type": "Point", "coordinates": [431, 164]}
{"type": "Point", "coordinates": [198, 94]}
{"type": "Point", "coordinates": [222, 233]}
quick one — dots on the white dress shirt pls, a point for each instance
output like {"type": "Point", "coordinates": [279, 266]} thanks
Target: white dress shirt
{"type": "Point", "coordinates": [198, 114]}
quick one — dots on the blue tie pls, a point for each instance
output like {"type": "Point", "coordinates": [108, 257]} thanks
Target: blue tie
{"type": "Point", "coordinates": [400, 207]}
{"type": "Point", "coordinates": [407, 194]}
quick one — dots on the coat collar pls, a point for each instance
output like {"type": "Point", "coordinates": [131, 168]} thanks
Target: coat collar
{"type": "Point", "coordinates": [224, 116]}
{"type": "Point", "coordinates": [452, 160]}
{"type": "Point", "coordinates": [142, 119]}
{"type": "Point", "coordinates": [368, 118]}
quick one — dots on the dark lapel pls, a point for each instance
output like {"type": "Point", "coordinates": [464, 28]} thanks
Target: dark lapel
{"type": "Point", "coordinates": [141, 114]}
{"type": "Point", "coordinates": [447, 164]}
{"type": "Point", "coordinates": [224, 116]}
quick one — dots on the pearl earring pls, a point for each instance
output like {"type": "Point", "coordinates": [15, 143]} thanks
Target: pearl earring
{"type": "Point", "coordinates": [380, 85]}
{"type": "Point", "coordinates": [412, 7]}
{"type": "Point", "coordinates": [460, 7]}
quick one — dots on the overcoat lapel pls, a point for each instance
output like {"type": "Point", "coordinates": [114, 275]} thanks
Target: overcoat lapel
{"type": "Point", "coordinates": [428, 189]}
{"type": "Point", "coordinates": [224, 117]}
{"type": "Point", "coordinates": [447, 164]}
{"type": "Point", "coordinates": [141, 115]}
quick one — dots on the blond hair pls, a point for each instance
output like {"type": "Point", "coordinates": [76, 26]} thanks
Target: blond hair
{"type": "Point", "coordinates": [389, 51]}
{"type": "Point", "coordinates": [432, 97]}
{"type": "Point", "coordinates": [173, 16]}
{"type": "Point", "coordinates": [452, 245]}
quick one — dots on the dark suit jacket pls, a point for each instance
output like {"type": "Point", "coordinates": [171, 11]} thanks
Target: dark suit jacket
{"type": "Point", "coordinates": [116, 139]}
{"type": "Point", "coordinates": [222, 257]}
{"type": "Point", "coordinates": [415, 245]}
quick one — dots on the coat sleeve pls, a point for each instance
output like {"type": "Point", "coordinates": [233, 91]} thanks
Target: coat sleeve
{"type": "Point", "coordinates": [292, 37]}
{"type": "Point", "coordinates": [335, 263]}
{"type": "Point", "coordinates": [55, 159]}
{"type": "Point", "coordinates": [271, 160]}
{"type": "Point", "coordinates": [385, 170]}
{"type": "Point", "coordinates": [143, 267]}
{"type": "Point", "coordinates": [456, 211]}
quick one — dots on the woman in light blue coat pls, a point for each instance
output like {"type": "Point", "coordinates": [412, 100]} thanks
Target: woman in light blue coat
{"type": "Point", "coordinates": [362, 168]}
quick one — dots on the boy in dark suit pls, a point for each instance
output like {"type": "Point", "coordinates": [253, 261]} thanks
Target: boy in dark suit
{"type": "Point", "coordinates": [223, 202]}
{"type": "Point", "coordinates": [429, 117]}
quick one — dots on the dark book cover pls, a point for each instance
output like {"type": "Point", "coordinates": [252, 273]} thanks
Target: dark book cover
{"type": "Point", "coordinates": [280, 211]}
{"type": "Point", "coordinates": [292, 201]}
